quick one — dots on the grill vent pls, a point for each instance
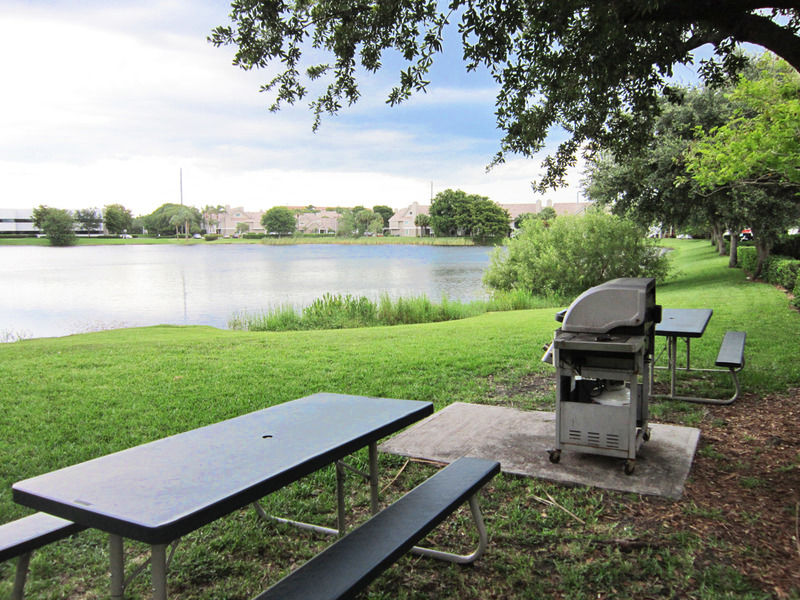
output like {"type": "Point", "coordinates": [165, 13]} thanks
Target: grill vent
{"type": "Point", "coordinates": [574, 435]}
{"type": "Point", "coordinates": [593, 438]}
{"type": "Point", "coordinates": [612, 440]}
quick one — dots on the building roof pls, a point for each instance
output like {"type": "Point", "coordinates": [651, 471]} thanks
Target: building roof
{"type": "Point", "coordinates": [515, 210]}
{"type": "Point", "coordinates": [411, 211]}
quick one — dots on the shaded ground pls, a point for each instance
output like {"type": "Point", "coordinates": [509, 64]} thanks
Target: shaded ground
{"type": "Point", "coordinates": [743, 491]}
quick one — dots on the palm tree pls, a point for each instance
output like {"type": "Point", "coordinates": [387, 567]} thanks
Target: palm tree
{"type": "Point", "coordinates": [423, 222]}
{"type": "Point", "coordinates": [183, 215]}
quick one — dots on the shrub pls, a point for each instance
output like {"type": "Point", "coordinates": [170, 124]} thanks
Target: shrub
{"type": "Point", "coordinates": [796, 292]}
{"type": "Point", "coordinates": [783, 271]}
{"type": "Point", "coordinates": [210, 237]}
{"type": "Point", "coordinates": [572, 254]}
{"type": "Point", "coordinates": [747, 258]}
{"type": "Point", "coordinates": [58, 224]}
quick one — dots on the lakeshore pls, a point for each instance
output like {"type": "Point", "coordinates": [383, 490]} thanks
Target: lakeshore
{"type": "Point", "coordinates": [61, 291]}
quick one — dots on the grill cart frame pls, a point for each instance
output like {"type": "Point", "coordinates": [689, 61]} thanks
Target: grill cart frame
{"type": "Point", "coordinates": [602, 355]}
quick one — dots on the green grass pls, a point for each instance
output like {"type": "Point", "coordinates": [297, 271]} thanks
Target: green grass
{"type": "Point", "coordinates": [70, 399]}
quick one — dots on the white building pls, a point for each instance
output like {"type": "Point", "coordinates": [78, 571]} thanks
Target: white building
{"type": "Point", "coordinates": [402, 222]}
{"type": "Point", "coordinates": [17, 221]}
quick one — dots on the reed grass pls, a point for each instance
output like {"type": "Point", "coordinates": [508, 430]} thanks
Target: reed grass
{"type": "Point", "coordinates": [337, 311]}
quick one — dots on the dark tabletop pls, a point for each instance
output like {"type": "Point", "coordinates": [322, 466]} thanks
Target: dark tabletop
{"type": "Point", "coordinates": [159, 491]}
{"type": "Point", "coordinates": [683, 322]}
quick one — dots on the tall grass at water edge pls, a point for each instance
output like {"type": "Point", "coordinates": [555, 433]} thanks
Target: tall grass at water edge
{"type": "Point", "coordinates": [337, 311]}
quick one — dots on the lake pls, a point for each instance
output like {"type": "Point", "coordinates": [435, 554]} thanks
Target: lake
{"type": "Point", "coordinates": [60, 291]}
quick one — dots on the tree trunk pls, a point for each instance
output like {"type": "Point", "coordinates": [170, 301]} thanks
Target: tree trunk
{"type": "Point", "coordinates": [734, 256]}
{"type": "Point", "coordinates": [762, 252]}
{"type": "Point", "coordinates": [717, 238]}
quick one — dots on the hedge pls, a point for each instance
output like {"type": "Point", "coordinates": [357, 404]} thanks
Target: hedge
{"type": "Point", "coordinates": [747, 258]}
{"type": "Point", "coordinates": [782, 271]}
{"type": "Point", "coordinates": [779, 270]}
{"type": "Point", "coordinates": [796, 293]}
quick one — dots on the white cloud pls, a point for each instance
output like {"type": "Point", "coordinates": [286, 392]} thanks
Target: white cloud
{"type": "Point", "coordinates": [105, 103]}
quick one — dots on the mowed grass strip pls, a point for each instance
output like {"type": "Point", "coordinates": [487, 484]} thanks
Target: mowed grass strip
{"type": "Point", "coordinates": [70, 399]}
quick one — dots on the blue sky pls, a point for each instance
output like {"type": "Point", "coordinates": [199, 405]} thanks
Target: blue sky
{"type": "Point", "coordinates": [109, 102]}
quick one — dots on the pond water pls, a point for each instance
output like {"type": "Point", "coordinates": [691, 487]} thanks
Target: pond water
{"type": "Point", "coordinates": [48, 291]}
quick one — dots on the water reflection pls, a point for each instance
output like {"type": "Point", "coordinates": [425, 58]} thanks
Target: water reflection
{"type": "Point", "coordinates": [58, 291]}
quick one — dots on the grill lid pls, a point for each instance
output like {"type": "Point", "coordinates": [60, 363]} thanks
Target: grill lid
{"type": "Point", "coordinates": [625, 302]}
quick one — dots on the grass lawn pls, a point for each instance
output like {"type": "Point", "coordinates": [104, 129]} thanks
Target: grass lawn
{"type": "Point", "coordinates": [69, 399]}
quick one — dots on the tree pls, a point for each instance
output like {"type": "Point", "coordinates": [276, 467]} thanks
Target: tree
{"type": "Point", "coordinates": [654, 187]}
{"type": "Point", "coordinates": [385, 212]}
{"type": "Point", "coordinates": [449, 213]}
{"type": "Point", "coordinates": [422, 221]}
{"type": "Point", "coordinates": [184, 216]}
{"type": "Point", "coordinates": [346, 226]}
{"type": "Point", "coordinates": [488, 220]}
{"type": "Point", "coordinates": [367, 221]}
{"type": "Point", "coordinates": [760, 145]}
{"type": "Point", "coordinates": [280, 220]}
{"type": "Point", "coordinates": [754, 155]}
{"type": "Point", "coordinates": [117, 218]}
{"type": "Point", "coordinates": [59, 226]}
{"type": "Point", "coordinates": [39, 214]}
{"type": "Point", "coordinates": [593, 67]}
{"type": "Point", "coordinates": [456, 213]}
{"type": "Point", "coordinates": [573, 254]}
{"type": "Point", "coordinates": [162, 222]}
{"type": "Point", "coordinates": [242, 228]}
{"type": "Point", "coordinates": [89, 219]}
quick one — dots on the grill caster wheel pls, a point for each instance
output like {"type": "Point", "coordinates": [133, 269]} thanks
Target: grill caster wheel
{"type": "Point", "coordinates": [555, 456]}
{"type": "Point", "coordinates": [630, 465]}
{"type": "Point", "coordinates": [646, 435]}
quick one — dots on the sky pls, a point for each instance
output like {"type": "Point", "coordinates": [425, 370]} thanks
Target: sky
{"type": "Point", "coordinates": [127, 102]}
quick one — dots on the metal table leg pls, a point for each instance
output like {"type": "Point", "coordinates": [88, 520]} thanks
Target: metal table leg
{"type": "Point", "coordinates": [158, 570]}
{"type": "Point", "coordinates": [373, 478]}
{"type": "Point", "coordinates": [23, 562]}
{"type": "Point", "coordinates": [117, 557]}
{"type": "Point", "coordinates": [673, 364]}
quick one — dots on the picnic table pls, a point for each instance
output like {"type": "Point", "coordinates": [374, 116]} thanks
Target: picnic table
{"type": "Point", "coordinates": [159, 491]}
{"type": "Point", "coordinates": [689, 324]}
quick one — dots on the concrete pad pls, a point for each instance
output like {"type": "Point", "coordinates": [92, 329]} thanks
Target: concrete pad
{"type": "Point", "coordinates": [520, 440]}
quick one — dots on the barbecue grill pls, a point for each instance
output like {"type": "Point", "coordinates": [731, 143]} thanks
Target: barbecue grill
{"type": "Point", "coordinates": [602, 354]}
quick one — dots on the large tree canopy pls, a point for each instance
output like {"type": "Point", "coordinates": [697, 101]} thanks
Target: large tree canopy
{"type": "Point", "coordinates": [593, 67]}
{"type": "Point", "coordinates": [761, 144]}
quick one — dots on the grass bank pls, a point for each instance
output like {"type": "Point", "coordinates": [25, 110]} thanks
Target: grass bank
{"type": "Point", "coordinates": [70, 399]}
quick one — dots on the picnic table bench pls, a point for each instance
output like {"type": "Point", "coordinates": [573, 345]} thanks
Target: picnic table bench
{"type": "Point", "coordinates": [351, 563]}
{"type": "Point", "coordinates": [21, 537]}
{"type": "Point", "coordinates": [688, 323]}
